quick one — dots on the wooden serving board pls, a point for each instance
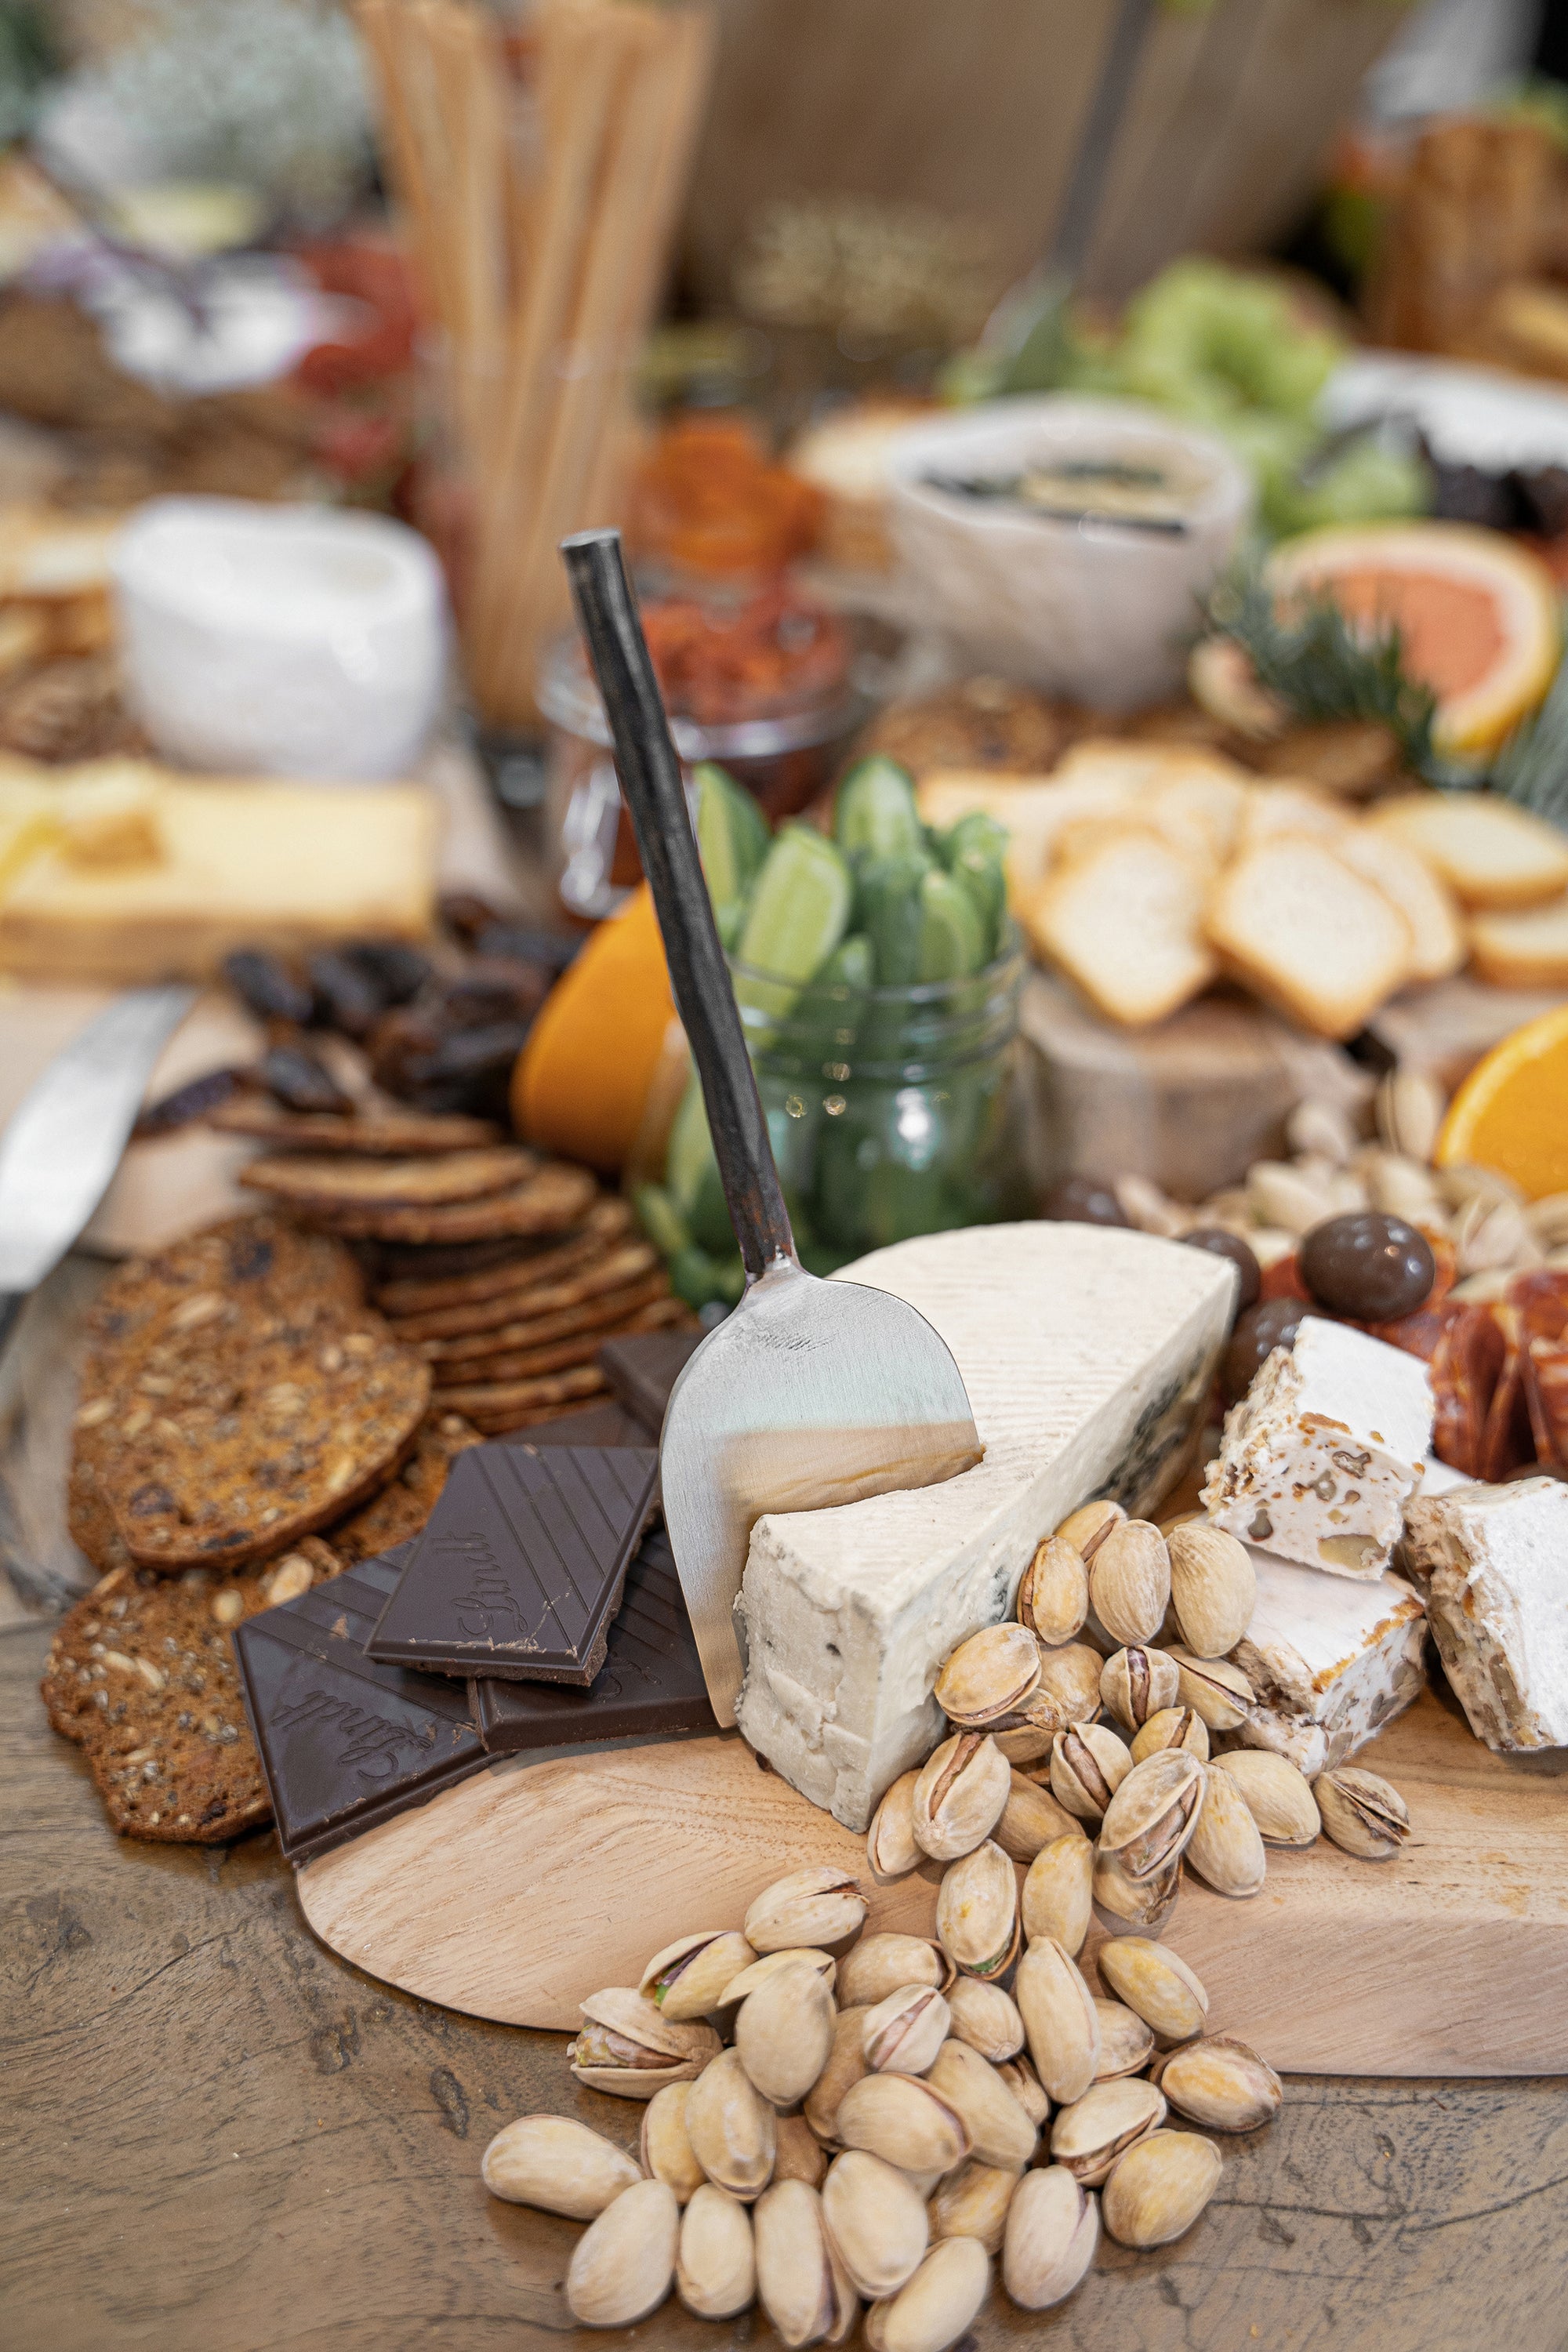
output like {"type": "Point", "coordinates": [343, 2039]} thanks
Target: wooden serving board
{"type": "Point", "coordinates": [518, 1893]}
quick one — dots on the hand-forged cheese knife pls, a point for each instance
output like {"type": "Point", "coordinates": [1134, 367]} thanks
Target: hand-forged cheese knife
{"type": "Point", "coordinates": [810, 1392]}
{"type": "Point", "coordinates": [64, 1139]}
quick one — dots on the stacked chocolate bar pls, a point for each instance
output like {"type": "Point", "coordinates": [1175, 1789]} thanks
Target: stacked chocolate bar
{"type": "Point", "coordinates": [538, 1609]}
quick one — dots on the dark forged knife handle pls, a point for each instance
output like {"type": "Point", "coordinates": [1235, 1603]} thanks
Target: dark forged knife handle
{"type": "Point", "coordinates": [650, 777]}
{"type": "Point", "coordinates": [11, 1305]}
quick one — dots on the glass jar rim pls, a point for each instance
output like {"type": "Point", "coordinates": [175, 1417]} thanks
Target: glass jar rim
{"type": "Point", "coordinates": [569, 699]}
{"type": "Point", "coordinates": [913, 994]}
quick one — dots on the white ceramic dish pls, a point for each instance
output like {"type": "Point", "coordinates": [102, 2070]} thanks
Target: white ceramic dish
{"type": "Point", "coordinates": [280, 640]}
{"type": "Point", "coordinates": [1471, 416]}
{"type": "Point", "coordinates": [1096, 610]}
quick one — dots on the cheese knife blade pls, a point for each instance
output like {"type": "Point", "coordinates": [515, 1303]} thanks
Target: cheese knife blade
{"type": "Point", "coordinates": [63, 1142]}
{"type": "Point", "coordinates": [810, 1393]}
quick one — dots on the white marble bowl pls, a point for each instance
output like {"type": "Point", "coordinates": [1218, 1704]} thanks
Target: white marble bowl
{"type": "Point", "coordinates": [1098, 611]}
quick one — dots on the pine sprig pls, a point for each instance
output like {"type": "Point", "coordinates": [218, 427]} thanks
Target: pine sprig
{"type": "Point", "coordinates": [1532, 766]}
{"type": "Point", "coordinates": [1321, 667]}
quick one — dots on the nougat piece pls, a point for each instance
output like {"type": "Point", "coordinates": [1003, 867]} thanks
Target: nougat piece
{"type": "Point", "coordinates": [1493, 1562]}
{"type": "Point", "coordinates": [1332, 1659]}
{"type": "Point", "coordinates": [1318, 1458]}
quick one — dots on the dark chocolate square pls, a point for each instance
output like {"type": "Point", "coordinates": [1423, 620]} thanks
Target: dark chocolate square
{"type": "Point", "coordinates": [520, 1568]}
{"type": "Point", "coordinates": [650, 1685]}
{"type": "Point", "coordinates": [345, 1743]}
{"type": "Point", "coordinates": [643, 1368]}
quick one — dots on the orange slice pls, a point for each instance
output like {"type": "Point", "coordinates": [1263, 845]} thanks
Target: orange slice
{"type": "Point", "coordinates": [1477, 614]}
{"type": "Point", "coordinates": [1512, 1113]}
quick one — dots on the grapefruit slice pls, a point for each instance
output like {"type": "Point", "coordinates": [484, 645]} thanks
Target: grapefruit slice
{"type": "Point", "coordinates": [1477, 612]}
{"type": "Point", "coordinates": [1512, 1113]}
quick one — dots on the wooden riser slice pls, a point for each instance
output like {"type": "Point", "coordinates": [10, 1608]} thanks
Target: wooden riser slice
{"type": "Point", "coordinates": [521, 1890]}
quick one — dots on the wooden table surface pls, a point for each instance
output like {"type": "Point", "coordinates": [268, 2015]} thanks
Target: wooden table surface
{"type": "Point", "coordinates": [218, 2138]}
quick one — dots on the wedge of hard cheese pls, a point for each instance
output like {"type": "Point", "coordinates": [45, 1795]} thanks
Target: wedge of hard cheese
{"type": "Point", "coordinates": [1086, 1353]}
{"type": "Point", "coordinates": [1330, 1660]}
{"type": "Point", "coordinates": [241, 863]}
{"type": "Point", "coordinates": [1493, 1564]}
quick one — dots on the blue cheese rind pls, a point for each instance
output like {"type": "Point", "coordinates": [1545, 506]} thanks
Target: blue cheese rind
{"type": "Point", "coordinates": [1493, 1562]}
{"type": "Point", "coordinates": [1331, 1659]}
{"type": "Point", "coordinates": [1086, 1353]}
{"type": "Point", "coordinates": [1321, 1455]}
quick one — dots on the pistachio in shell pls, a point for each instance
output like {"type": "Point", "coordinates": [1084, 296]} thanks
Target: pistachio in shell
{"type": "Point", "coordinates": [1150, 1818]}
{"type": "Point", "coordinates": [1156, 2191]}
{"type": "Point", "coordinates": [891, 1848]}
{"type": "Point", "coordinates": [846, 2064]}
{"type": "Point", "coordinates": [820, 1906]}
{"type": "Point", "coordinates": [959, 1794]}
{"type": "Point", "coordinates": [557, 2164]}
{"type": "Point", "coordinates": [1215, 1688]}
{"type": "Point", "coordinates": [783, 2033]}
{"type": "Point", "coordinates": [972, 2203]}
{"type": "Point", "coordinates": [1172, 1726]}
{"type": "Point", "coordinates": [1361, 1812]}
{"type": "Point", "coordinates": [1026, 2087]}
{"type": "Point", "coordinates": [686, 1979]}
{"type": "Point", "coordinates": [623, 2265]}
{"type": "Point", "coordinates": [772, 1964]}
{"type": "Point", "coordinates": [1138, 1682]}
{"type": "Point", "coordinates": [1057, 1893]}
{"type": "Point", "coordinates": [1278, 1797]}
{"type": "Point", "coordinates": [1140, 1906]}
{"type": "Point", "coordinates": [904, 2033]}
{"type": "Point", "coordinates": [801, 2284]}
{"type": "Point", "coordinates": [1089, 2136]}
{"type": "Point", "coordinates": [1088, 1764]}
{"type": "Point", "coordinates": [977, 1912]}
{"type": "Point", "coordinates": [986, 2018]}
{"type": "Point", "coordinates": [1214, 1587]}
{"type": "Point", "coordinates": [1059, 2019]}
{"type": "Point", "coordinates": [932, 2310]}
{"type": "Point", "coordinates": [730, 2127]}
{"type": "Point", "coordinates": [1069, 1689]}
{"type": "Point", "coordinates": [1220, 2084]}
{"type": "Point", "coordinates": [901, 2120]}
{"type": "Point", "coordinates": [629, 2047]}
{"type": "Point", "coordinates": [1157, 1984]}
{"type": "Point", "coordinates": [875, 2218]}
{"type": "Point", "coordinates": [988, 1676]}
{"type": "Point", "coordinates": [1130, 1581]}
{"type": "Point", "coordinates": [1087, 1528]}
{"type": "Point", "coordinates": [1000, 2132]}
{"type": "Point", "coordinates": [1053, 1596]}
{"type": "Point", "coordinates": [797, 2152]}
{"type": "Point", "coordinates": [1053, 2229]}
{"type": "Point", "coordinates": [1030, 1819]}
{"type": "Point", "coordinates": [1225, 1848]}
{"type": "Point", "coordinates": [1126, 2041]}
{"type": "Point", "coordinates": [879, 1964]}
{"type": "Point", "coordinates": [716, 2262]}
{"type": "Point", "coordinates": [666, 2145]}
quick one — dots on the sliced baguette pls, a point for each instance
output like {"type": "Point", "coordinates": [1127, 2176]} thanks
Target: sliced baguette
{"type": "Point", "coordinates": [1438, 945]}
{"type": "Point", "coordinates": [1524, 949]}
{"type": "Point", "coordinates": [1308, 933]}
{"type": "Point", "coordinates": [1124, 919]}
{"type": "Point", "coordinates": [1289, 807]}
{"type": "Point", "coordinates": [1490, 853]}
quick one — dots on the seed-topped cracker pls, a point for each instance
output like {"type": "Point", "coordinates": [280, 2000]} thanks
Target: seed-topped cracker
{"type": "Point", "coordinates": [564, 1307]}
{"type": "Point", "coordinates": [552, 1202]}
{"type": "Point", "coordinates": [406, 1501]}
{"type": "Point", "coordinates": [242, 1450]}
{"type": "Point", "coordinates": [429, 1309]}
{"type": "Point", "coordinates": [370, 1135]}
{"type": "Point", "coordinates": [497, 1407]}
{"type": "Point", "coordinates": [579, 1348]}
{"type": "Point", "coordinates": [336, 1184]}
{"type": "Point", "coordinates": [141, 1676]}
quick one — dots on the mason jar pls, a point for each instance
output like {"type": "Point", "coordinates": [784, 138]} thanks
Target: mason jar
{"type": "Point", "coordinates": [892, 1112]}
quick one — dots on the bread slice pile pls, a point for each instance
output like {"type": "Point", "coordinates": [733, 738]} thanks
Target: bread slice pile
{"type": "Point", "coordinates": [1145, 872]}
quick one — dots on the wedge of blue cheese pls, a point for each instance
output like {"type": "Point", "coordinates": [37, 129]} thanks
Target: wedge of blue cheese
{"type": "Point", "coordinates": [1322, 1454]}
{"type": "Point", "coordinates": [1330, 1660]}
{"type": "Point", "coordinates": [1493, 1562]}
{"type": "Point", "coordinates": [1086, 1353]}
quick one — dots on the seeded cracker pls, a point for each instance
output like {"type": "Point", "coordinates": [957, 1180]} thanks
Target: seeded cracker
{"type": "Point", "coordinates": [553, 1200]}
{"type": "Point", "coordinates": [333, 1182]}
{"type": "Point", "coordinates": [374, 1135]}
{"type": "Point", "coordinates": [592, 1308]}
{"type": "Point", "coordinates": [247, 1449]}
{"type": "Point", "coordinates": [141, 1675]}
{"type": "Point", "coordinates": [573, 1275]}
{"type": "Point", "coordinates": [404, 1504]}
{"type": "Point", "coordinates": [524, 1363]}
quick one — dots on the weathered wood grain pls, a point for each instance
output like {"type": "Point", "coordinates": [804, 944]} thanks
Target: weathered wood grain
{"type": "Point", "coordinates": [219, 2138]}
